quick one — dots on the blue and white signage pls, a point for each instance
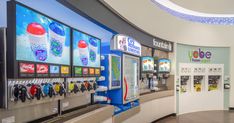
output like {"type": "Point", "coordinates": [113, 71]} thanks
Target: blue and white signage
{"type": "Point", "coordinates": [126, 44]}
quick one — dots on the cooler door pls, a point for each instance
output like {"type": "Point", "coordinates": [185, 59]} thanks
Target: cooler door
{"type": "Point", "coordinates": [131, 69]}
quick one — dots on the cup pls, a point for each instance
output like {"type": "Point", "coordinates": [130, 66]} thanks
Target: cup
{"type": "Point", "coordinates": [37, 38]}
{"type": "Point", "coordinates": [83, 52]}
{"type": "Point", "coordinates": [93, 49]}
{"type": "Point", "coordinates": [56, 38]}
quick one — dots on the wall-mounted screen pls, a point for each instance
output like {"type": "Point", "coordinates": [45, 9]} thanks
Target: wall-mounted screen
{"type": "Point", "coordinates": [164, 65]}
{"type": "Point", "coordinates": [41, 39]}
{"type": "Point", "coordinates": [147, 63]}
{"type": "Point", "coordinates": [86, 50]}
{"type": "Point", "coordinates": [115, 72]}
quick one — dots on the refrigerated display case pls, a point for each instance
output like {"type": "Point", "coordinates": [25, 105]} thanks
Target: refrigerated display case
{"type": "Point", "coordinates": [131, 72]}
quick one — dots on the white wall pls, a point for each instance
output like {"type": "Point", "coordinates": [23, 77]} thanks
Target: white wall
{"type": "Point", "coordinates": [145, 15]}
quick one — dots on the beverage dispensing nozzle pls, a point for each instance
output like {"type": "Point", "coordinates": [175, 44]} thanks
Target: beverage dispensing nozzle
{"type": "Point", "coordinates": [22, 93]}
{"type": "Point", "coordinates": [76, 88]}
{"type": "Point", "coordinates": [62, 89]}
{"type": "Point", "coordinates": [89, 86]}
{"type": "Point", "coordinates": [83, 88]}
{"type": "Point", "coordinates": [94, 85]}
{"type": "Point", "coordinates": [15, 92]}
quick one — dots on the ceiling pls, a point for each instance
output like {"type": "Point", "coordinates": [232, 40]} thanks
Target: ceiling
{"type": "Point", "coordinates": [145, 15]}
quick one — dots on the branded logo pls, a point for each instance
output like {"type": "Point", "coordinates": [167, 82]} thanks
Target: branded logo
{"type": "Point", "coordinates": [200, 56]}
{"type": "Point", "coordinates": [163, 45]}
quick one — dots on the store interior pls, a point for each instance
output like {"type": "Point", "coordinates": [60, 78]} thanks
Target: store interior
{"type": "Point", "coordinates": [115, 61]}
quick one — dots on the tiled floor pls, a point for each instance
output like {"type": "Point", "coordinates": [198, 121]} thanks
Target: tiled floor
{"type": "Point", "coordinates": [202, 117]}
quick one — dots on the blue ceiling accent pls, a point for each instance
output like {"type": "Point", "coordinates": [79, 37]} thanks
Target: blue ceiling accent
{"type": "Point", "coordinates": [217, 19]}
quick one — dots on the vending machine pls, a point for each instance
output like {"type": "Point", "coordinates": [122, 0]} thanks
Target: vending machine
{"type": "Point", "coordinates": [121, 73]}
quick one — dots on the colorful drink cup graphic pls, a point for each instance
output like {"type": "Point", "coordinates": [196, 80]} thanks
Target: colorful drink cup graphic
{"type": "Point", "coordinates": [37, 39]}
{"type": "Point", "coordinates": [93, 49]}
{"type": "Point", "coordinates": [83, 52]}
{"type": "Point", "coordinates": [57, 38]}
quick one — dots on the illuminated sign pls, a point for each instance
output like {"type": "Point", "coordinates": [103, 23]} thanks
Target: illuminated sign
{"type": "Point", "coordinates": [126, 44]}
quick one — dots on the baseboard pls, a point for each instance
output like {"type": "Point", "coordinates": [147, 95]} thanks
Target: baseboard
{"type": "Point", "coordinates": [231, 108]}
{"type": "Point", "coordinates": [173, 114]}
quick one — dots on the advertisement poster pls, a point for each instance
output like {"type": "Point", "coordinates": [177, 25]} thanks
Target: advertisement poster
{"type": "Point", "coordinates": [41, 39]}
{"type": "Point", "coordinates": [86, 50]}
{"type": "Point", "coordinates": [197, 83]}
{"type": "Point", "coordinates": [213, 82]}
{"type": "Point", "coordinates": [147, 64]}
{"type": "Point", "coordinates": [115, 70]}
{"type": "Point", "coordinates": [164, 65]}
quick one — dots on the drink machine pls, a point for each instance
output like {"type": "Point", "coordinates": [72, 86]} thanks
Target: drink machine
{"type": "Point", "coordinates": [122, 73]}
{"type": "Point", "coordinates": [148, 75]}
{"type": "Point", "coordinates": [164, 68]}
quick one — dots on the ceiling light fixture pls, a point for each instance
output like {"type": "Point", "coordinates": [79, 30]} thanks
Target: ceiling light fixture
{"type": "Point", "coordinates": [178, 11]}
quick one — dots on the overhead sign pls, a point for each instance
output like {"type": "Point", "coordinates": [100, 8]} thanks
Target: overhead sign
{"type": "Point", "coordinates": [126, 44]}
{"type": "Point", "coordinates": [163, 45]}
{"type": "Point", "coordinates": [199, 55]}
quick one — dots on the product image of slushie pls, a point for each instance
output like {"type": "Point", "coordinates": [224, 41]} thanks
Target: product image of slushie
{"type": "Point", "coordinates": [57, 38]}
{"type": "Point", "coordinates": [37, 39]}
{"type": "Point", "coordinates": [83, 52]}
{"type": "Point", "coordinates": [93, 48]}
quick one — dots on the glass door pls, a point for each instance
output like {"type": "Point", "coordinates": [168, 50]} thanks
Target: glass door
{"type": "Point", "coordinates": [131, 69]}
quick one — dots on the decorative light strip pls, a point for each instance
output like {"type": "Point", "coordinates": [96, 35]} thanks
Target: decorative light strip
{"type": "Point", "coordinates": [175, 10]}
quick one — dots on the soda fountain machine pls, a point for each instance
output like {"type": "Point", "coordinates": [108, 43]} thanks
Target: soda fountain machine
{"type": "Point", "coordinates": [148, 75]}
{"type": "Point", "coordinates": [164, 68]}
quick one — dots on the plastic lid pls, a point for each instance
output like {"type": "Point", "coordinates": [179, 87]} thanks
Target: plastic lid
{"type": "Point", "coordinates": [93, 42]}
{"type": "Point", "coordinates": [57, 28]}
{"type": "Point", "coordinates": [35, 28]}
{"type": "Point", "coordinates": [82, 44]}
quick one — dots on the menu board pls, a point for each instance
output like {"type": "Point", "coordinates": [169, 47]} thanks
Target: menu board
{"type": "Point", "coordinates": [41, 41]}
{"type": "Point", "coordinates": [164, 65]}
{"type": "Point", "coordinates": [86, 53]}
{"type": "Point", "coordinates": [147, 64]}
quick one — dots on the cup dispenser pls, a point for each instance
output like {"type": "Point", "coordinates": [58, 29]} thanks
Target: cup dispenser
{"type": "Point", "coordinates": [185, 84]}
{"type": "Point", "coordinates": [24, 92]}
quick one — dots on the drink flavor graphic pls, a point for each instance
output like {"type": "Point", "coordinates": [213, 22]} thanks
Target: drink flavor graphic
{"type": "Point", "coordinates": [54, 69]}
{"type": "Point", "coordinates": [42, 68]}
{"type": "Point", "coordinates": [41, 39]}
{"type": "Point", "coordinates": [86, 50]}
{"type": "Point", "coordinates": [27, 68]}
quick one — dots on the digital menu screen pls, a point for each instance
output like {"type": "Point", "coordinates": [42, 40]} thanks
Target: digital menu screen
{"type": "Point", "coordinates": [86, 51]}
{"type": "Point", "coordinates": [147, 64]}
{"type": "Point", "coordinates": [41, 39]}
{"type": "Point", "coordinates": [164, 65]}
